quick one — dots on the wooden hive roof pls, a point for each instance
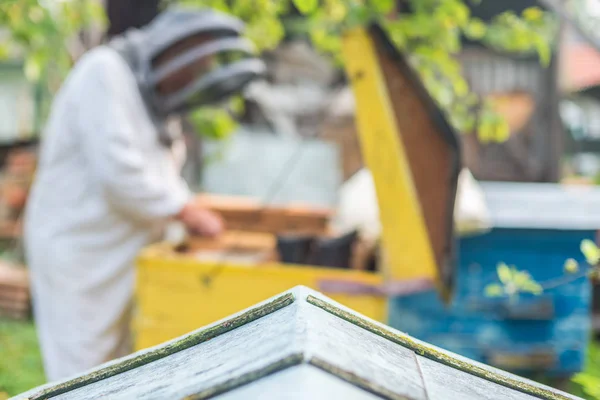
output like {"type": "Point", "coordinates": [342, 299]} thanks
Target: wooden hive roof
{"type": "Point", "coordinates": [297, 345]}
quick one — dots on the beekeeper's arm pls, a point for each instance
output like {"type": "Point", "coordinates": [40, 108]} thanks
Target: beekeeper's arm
{"type": "Point", "coordinates": [110, 136]}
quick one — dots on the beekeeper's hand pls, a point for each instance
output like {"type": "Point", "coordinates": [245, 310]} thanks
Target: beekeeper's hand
{"type": "Point", "coordinates": [201, 221]}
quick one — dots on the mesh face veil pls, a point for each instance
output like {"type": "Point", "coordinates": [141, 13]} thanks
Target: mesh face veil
{"type": "Point", "coordinates": [187, 58]}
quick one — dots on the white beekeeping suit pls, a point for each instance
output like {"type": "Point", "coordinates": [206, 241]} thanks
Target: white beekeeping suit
{"type": "Point", "coordinates": [105, 188]}
{"type": "Point", "coordinates": [109, 179]}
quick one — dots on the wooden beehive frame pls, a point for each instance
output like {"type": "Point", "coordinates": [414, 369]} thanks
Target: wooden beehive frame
{"type": "Point", "coordinates": [243, 214]}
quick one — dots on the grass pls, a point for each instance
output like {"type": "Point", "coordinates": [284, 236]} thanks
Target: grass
{"type": "Point", "coordinates": [20, 361]}
{"type": "Point", "coordinates": [587, 383]}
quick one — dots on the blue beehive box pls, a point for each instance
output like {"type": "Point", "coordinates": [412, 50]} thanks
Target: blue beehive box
{"type": "Point", "coordinates": [536, 227]}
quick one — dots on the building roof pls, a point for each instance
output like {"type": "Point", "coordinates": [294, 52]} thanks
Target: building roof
{"type": "Point", "coordinates": [579, 69]}
{"type": "Point", "coordinates": [542, 205]}
{"type": "Point", "coordinates": [579, 15]}
{"type": "Point", "coordinates": [580, 52]}
{"type": "Point", "coordinates": [300, 345]}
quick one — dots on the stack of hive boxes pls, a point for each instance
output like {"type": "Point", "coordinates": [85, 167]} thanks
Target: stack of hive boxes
{"type": "Point", "coordinates": [242, 213]}
{"type": "Point", "coordinates": [17, 176]}
{"type": "Point", "coordinates": [15, 180]}
{"type": "Point", "coordinates": [14, 292]}
{"type": "Point", "coordinates": [291, 234]}
{"type": "Point", "coordinates": [252, 228]}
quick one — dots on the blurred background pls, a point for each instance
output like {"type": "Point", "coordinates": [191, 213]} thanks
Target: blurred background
{"type": "Point", "coordinates": [519, 81]}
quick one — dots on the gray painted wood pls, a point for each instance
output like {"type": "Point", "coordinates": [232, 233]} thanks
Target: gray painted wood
{"type": "Point", "coordinates": [193, 370]}
{"type": "Point", "coordinates": [341, 359]}
{"type": "Point", "coordinates": [493, 370]}
{"type": "Point", "coordinates": [358, 351]}
{"type": "Point", "coordinates": [542, 206]}
{"type": "Point", "coordinates": [299, 383]}
{"type": "Point", "coordinates": [443, 382]}
{"type": "Point", "coordinates": [299, 328]}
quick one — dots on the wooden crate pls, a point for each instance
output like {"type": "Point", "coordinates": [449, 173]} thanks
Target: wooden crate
{"type": "Point", "coordinates": [245, 214]}
{"type": "Point", "coordinates": [231, 246]}
{"type": "Point", "coordinates": [260, 247]}
{"type": "Point", "coordinates": [15, 299]}
{"type": "Point", "coordinates": [233, 240]}
{"type": "Point", "coordinates": [16, 177]}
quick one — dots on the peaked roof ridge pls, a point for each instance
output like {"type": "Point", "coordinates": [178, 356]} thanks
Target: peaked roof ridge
{"type": "Point", "coordinates": [147, 356]}
{"type": "Point", "coordinates": [303, 353]}
{"type": "Point", "coordinates": [439, 355]}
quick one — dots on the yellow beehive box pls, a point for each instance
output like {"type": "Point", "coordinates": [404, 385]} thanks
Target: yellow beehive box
{"type": "Point", "coordinates": [177, 293]}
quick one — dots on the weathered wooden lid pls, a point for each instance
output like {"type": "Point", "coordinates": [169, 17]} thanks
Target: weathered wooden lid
{"type": "Point", "coordinates": [297, 345]}
{"type": "Point", "coordinates": [433, 151]}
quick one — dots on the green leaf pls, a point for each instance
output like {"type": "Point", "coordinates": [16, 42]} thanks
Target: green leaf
{"type": "Point", "coordinates": [494, 290]}
{"type": "Point", "coordinates": [460, 12]}
{"type": "Point", "coordinates": [95, 11]}
{"type": "Point", "coordinates": [306, 6]}
{"type": "Point", "coordinates": [236, 104]}
{"type": "Point", "coordinates": [502, 131]}
{"type": "Point", "coordinates": [4, 51]}
{"type": "Point", "coordinates": [212, 122]}
{"type": "Point", "coordinates": [571, 266]}
{"type": "Point", "coordinates": [533, 14]}
{"type": "Point", "coordinates": [383, 6]}
{"type": "Point", "coordinates": [266, 32]}
{"type": "Point", "coordinates": [36, 14]}
{"type": "Point", "coordinates": [358, 15]}
{"type": "Point", "coordinates": [532, 287]}
{"type": "Point", "coordinates": [336, 10]}
{"type": "Point", "coordinates": [504, 273]}
{"type": "Point", "coordinates": [544, 51]}
{"type": "Point", "coordinates": [590, 251]}
{"type": "Point", "coordinates": [590, 384]}
{"type": "Point", "coordinates": [33, 67]}
{"type": "Point", "coordinates": [521, 278]}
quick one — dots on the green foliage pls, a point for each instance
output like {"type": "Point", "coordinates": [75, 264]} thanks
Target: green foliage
{"type": "Point", "coordinates": [430, 35]}
{"type": "Point", "coordinates": [20, 361]}
{"type": "Point", "coordinates": [492, 127]}
{"type": "Point", "coordinates": [590, 251]}
{"type": "Point", "coordinates": [306, 6]}
{"type": "Point", "coordinates": [40, 31]}
{"type": "Point", "coordinates": [533, 31]}
{"type": "Point", "coordinates": [571, 266]}
{"type": "Point", "coordinates": [217, 122]}
{"type": "Point", "coordinates": [512, 283]}
{"type": "Point", "coordinates": [587, 383]}
{"type": "Point", "coordinates": [494, 290]}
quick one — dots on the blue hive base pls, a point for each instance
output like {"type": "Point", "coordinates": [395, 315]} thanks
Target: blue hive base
{"type": "Point", "coordinates": [551, 330]}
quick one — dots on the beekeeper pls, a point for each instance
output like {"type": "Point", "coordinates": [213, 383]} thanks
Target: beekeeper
{"type": "Point", "coordinates": [108, 179]}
